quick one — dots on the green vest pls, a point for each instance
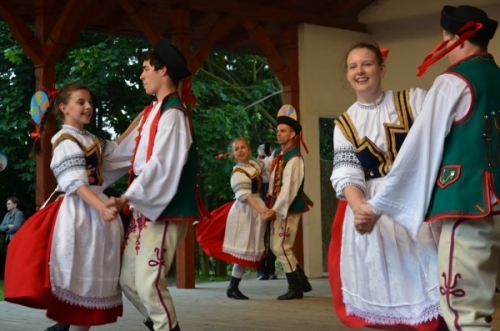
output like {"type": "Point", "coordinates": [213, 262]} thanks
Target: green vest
{"type": "Point", "coordinates": [301, 202]}
{"type": "Point", "coordinates": [186, 204]}
{"type": "Point", "coordinates": [471, 158]}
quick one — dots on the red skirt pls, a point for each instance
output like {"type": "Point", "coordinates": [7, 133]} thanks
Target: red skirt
{"type": "Point", "coordinates": [27, 273]}
{"type": "Point", "coordinates": [336, 285]}
{"type": "Point", "coordinates": [210, 234]}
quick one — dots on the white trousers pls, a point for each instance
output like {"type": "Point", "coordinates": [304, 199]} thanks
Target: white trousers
{"type": "Point", "coordinates": [147, 257]}
{"type": "Point", "coordinates": [283, 234]}
{"type": "Point", "coordinates": [469, 263]}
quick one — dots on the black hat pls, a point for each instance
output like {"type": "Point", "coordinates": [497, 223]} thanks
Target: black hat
{"type": "Point", "coordinates": [454, 18]}
{"type": "Point", "coordinates": [173, 58]}
{"type": "Point", "coordinates": [287, 115]}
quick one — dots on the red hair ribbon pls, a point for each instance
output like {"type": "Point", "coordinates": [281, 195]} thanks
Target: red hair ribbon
{"type": "Point", "coordinates": [222, 156]}
{"type": "Point", "coordinates": [50, 93]}
{"type": "Point", "coordinates": [187, 93]}
{"type": "Point", "coordinates": [385, 53]}
{"type": "Point", "coordinates": [441, 49]}
{"type": "Point", "coordinates": [35, 134]}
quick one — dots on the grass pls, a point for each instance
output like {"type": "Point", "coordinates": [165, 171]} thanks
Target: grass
{"type": "Point", "coordinates": [1, 290]}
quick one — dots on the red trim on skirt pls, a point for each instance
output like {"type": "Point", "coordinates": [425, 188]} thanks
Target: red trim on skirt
{"type": "Point", "coordinates": [334, 277]}
{"type": "Point", "coordinates": [210, 234]}
{"type": "Point", "coordinates": [27, 274]}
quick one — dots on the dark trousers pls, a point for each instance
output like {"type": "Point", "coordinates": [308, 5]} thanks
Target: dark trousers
{"type": "Point", "coordinates": [267, 266]}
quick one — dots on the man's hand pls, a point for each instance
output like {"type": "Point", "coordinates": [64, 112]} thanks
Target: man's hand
{"type": "Point", "coordinates": [268, 215]}
{"type": "Point", "coordinates": [117, 204]}
{"type": "Point", "coordinates": [364, 218]}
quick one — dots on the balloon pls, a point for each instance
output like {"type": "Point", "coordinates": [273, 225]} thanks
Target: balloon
{"type": "Point", "coordinates": [3, 161]}
{"type": "Point", "coordinates": [39, 105]}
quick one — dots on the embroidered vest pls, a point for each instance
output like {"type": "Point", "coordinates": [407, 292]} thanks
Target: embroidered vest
{"type": "Point", "coordinates": [186, 204]}
{"type": "Point", "coordinates": [374, 161]}
{"type": "Point", "coordinates": [301, 202]}
{"type": "Point", "coordinates": [93, 157]}
{"type": "Point", "coordinates": [471, 160]}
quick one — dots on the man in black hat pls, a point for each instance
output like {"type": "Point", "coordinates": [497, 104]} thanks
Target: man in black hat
{"type": "Point", "coordinates": [449, 169]}
{"type": "Point", "coordinates": [288, 201]}
{"type": "Point", "coordinates": [162, 194]}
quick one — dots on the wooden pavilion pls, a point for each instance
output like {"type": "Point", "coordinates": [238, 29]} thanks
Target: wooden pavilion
{"type": "Point", "coordinates": [268, 27]}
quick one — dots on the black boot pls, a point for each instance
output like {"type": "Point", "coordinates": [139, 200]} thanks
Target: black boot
{"type": "Point", "coordinates": [233, 291]}
{"type": "Point", "coordinates": [177, 328]}
{"type": "Point", "coordinates": [306, 286]}
{"type": "Point", "coordinates": [294, 287]}
{"type": "Point", "coordinates": [58, 327]}
{"type": "Point", "coordinates": [149, 323]}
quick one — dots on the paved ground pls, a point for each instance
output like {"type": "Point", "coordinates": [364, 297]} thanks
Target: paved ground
{"type": "Point", "coordinates": [206, 308]}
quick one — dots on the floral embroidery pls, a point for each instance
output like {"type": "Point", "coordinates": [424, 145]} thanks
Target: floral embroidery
{"type": "Point", "coordinates": [136, 225]}
{"type": "Point", "coordinates": [450, 288]}
{"type": "Point", "coordinates": [280, 162]}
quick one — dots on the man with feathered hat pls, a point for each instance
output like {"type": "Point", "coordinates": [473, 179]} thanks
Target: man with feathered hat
{"type": "Point", "coordinates": [288, 201]}
{"type": "Point", "coordinates": [449, 169]}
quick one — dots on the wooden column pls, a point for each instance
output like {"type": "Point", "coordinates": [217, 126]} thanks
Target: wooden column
{"type": "Point", "coordinates": [289, 40]}
{"type": "Point", "coordinates": [185, 266]}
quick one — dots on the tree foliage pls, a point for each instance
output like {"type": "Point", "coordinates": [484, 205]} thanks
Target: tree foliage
{"type": "Point", "coordinates": [237, 95]}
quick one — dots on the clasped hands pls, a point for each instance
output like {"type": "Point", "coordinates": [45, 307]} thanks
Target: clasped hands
{"type": "Point", "coordinates": [364, 218]}
{"type": "Point", "coordinates": [268, 215]}
{"type": "Point", "coordinates": [112, 208]}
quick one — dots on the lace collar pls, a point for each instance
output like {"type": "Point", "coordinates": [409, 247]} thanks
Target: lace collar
{"type": "Point", "coordinates": [72, 128]}
{"type": "Point", "coordinates": [372, 105]}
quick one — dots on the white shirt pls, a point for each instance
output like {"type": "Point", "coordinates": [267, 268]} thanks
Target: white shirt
{"type": "Point", "coordinates": [157, 179]}
{"type": "Point", "coordinates": [408, 187]}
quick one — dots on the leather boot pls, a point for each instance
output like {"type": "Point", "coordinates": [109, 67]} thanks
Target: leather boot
{"type": "Point", "coordinates": [306, 286]}
{"type": "Point", "coordinates": [177, 328]}
{"type": "Point", "coordinates": [58, 327]}
{"type": "Point", "coordinates": [233, 290]}
{"type": "Point", "coordinates": [149, 323]}
{"type": "Point", "coordinates": [294, 287]}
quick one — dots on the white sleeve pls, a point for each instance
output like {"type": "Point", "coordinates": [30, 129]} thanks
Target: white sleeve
{"type": "Point", "coordinates": [292, 178]}
{"type": "Point", "coordinates": [117, 158]}
{"type": "Point", "coordinates": [69, 166]}
{"type": "Point", "coordinates": [241, 185]}
{"type": "Point", "coordinates": [151, 192]}
{"type": "Point", "coordinates": [417, 97]}
{"type": "Point", "coordinates": [347, 170]}
{"type": "Point", "coordinates": [406, 190]}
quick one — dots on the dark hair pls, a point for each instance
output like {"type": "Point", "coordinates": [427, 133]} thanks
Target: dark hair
{"type": "Point", "coordinates": [373, 47]}
{"type": "Point", "coordinates": [62, 97]}
{"type": "Point", "coordinates": [482, 44]}
{"type": "Point", "coordinates": [14, 200]}
{"type": "Point", "coordinates": [156, 62]}
{"type": "Point", "coordinates": [267, 148]}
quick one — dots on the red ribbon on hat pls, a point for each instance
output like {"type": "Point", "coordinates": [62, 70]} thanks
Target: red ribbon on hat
{"type": "Point", "coordinates": [303, 143]}
{"type": "Point", "coordinates": [186, 91]}
{"type": "Point", "coordinates": [441, 50]}
{"type": "Point", "coordinates": [385, 53]}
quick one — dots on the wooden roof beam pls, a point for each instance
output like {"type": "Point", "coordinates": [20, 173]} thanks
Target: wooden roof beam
{"type": "Point", "coordinates": [246, 10]}
{"type": "Point", "coordinates": [349, 8]}
{"type": "Point", "coordinates": [140, 18]}
{"type": "Point", "coordinates": [259, 36]}
{"type": "Point", "coordinates": [221, 28]}
{"type": "Point", "coordinates": [23, 35]}
{"type": "Point", "coordinates": [68, 27]}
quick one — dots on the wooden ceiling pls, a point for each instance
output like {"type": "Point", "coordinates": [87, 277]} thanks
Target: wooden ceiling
{"type": "Point", "coordinates": [111, 17]}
